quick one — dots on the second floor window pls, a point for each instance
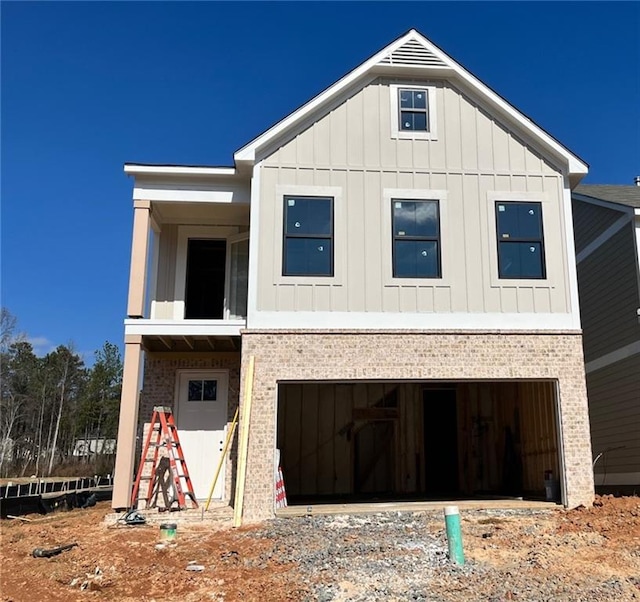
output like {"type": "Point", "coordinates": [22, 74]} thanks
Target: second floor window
{"type": "Point", "coordinates": [308, 236]}
{"type": "Point", "coordinates": [416, 239]}
{"type": "Point", "coordinates": [520, 240]}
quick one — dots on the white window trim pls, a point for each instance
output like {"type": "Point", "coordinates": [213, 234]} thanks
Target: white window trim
{"type": "Point", "coordinates": [339, 240]}
{"type": "Point", "coordinates": [184, 234]}
{"type": "Point", "coordinates": [550, 263]}
{"type": "Point", "coordinates": [412, 194]}
{"type": "Point", "coordinates": [432, 114]}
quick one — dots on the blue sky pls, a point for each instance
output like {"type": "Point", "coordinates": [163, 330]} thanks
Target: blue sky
{"type": "Point", "coordinates": [89, 86]}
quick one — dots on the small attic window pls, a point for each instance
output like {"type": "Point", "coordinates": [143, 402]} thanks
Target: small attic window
{"type": "Point", "coordinates": [413, 112]}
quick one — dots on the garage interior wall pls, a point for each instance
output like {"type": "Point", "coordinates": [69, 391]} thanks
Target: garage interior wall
{"type": "Point", "coordinates": [416, 439]}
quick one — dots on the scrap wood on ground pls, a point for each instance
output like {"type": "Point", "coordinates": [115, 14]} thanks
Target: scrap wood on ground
{"type": "Point", "coordinates": [583, 554]}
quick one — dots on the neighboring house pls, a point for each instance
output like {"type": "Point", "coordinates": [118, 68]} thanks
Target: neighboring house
{"type": "Point", "coordinates": [607, 234]}
{"type": "Point", "coordinates": [397, 255]}
{"type": "Point", "coordinates": [91, 447]}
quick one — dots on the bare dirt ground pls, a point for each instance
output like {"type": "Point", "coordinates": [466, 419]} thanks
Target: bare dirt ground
{"type": "Point", "coordinates": [584, 554]}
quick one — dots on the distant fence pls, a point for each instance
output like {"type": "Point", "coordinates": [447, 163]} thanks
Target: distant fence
{"type": "Point", "coordinates": [41, 495]}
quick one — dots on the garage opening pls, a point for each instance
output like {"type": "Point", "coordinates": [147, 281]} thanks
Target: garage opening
{"type": "Point", "coordinates": [417, 441]}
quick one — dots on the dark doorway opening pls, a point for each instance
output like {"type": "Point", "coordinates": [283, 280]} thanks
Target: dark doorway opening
{"type": "Point", "coordinates": [440, 442]}
{"type": "Point", "coordinates": [206, 260]}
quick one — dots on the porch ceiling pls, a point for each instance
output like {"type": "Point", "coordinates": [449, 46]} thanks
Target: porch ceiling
{"type": "Point", "coordinates": [202, 213]}
{"type": "Point", "coordinates": [190, 343]}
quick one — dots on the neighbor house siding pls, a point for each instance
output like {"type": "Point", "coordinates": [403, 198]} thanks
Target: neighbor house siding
{"type": "Point", "coordinates": [614, 410]}
{"type": "Point", "coordinates": [589, 221]}
{"type": "Point", "coordinates": [609, 296]}
{"type": "Point", "coordinates": [352, 149]}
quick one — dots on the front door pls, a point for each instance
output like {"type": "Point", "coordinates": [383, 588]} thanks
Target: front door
{"type": "Point", "coordinates": [201, 417]}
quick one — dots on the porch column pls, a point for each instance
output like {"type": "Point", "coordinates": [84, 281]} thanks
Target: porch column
{"type": "Point", "coordinates": [128, 424]}
{"type": "Point", "coordinates": [139, 252]}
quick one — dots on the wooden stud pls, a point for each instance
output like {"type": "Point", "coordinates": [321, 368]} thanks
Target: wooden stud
{"type": "Point", "coordinates": [166, 343]}
{"type": "Point", "coordinates": [244, 443]}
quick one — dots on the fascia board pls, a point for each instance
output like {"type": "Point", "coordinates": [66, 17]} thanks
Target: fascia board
{"type": "Point", "coordinates": [574, 165]}
{"type": "Point", "coordinates": [132, 169]}
{"type": "Point", "coordinates": [214, 188]}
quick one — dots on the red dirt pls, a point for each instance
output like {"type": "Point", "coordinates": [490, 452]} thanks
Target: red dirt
{"type": "Point", "coordinates": [603, 540]}
{"type": "Point", "coordinates": [130, 565]}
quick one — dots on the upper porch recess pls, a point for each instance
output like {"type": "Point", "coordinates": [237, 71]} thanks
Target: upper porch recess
{"type": "Point", "coordinates": [190, 252]}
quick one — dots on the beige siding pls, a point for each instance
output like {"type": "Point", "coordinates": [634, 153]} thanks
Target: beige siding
{"type": "Point", "coordinates": [352, 148]}
{"type": "Point", "coordinates": [589, 221]}
{"type": "Point", "coordinates": [165, 287]}
{"type": "Point", "coordinates": [614, 413]}
{"type": "Point", "coordinates": [608, 287]}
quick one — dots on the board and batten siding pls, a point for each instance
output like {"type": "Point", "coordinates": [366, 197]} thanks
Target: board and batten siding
{"type": "Point", "coordinates": [608, 289]}
{"type": "Point", "coordinates": [162, 306]}
{"type": "Point", "coordinates": [351, 149]}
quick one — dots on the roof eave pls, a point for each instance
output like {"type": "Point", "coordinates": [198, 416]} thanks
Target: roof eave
{"type": "Point", "coordinates": [137, 169]}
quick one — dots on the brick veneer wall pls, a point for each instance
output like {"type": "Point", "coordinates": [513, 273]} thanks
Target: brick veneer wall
{"type": "Point", "coordinates": [341, 355]}
{"type": "Point", "coordinates": [159, 389]}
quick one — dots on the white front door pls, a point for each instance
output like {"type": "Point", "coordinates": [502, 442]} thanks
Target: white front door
{"type": "Point", "coordinates": [201, 417]}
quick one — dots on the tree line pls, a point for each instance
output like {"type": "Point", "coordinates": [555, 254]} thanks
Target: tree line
{"type": "Point", "coordinates": [57, 415]}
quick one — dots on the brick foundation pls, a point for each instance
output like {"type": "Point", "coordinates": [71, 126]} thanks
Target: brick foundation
{"type": "Point", "coordinates": [306, 356]}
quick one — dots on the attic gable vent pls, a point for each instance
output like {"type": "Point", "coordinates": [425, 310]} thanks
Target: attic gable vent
{"type": "Point", "coordinates": [413, 54]}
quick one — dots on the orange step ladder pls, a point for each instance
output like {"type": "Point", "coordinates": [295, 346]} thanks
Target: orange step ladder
{"type": "Point", "coordinates": [167, 472]}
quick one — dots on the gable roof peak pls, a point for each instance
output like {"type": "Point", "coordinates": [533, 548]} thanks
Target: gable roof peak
{"type": "Point", "coordinates": [413, 50]}
{"type": "Point", "coordinates": [413, 54]}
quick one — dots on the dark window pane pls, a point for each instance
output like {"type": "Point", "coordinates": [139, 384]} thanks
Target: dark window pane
{"type": "Point", "coordinates": [519, 220]}
{"type": "Point", "coordinates": [406, 120]}
{"type": "Point", "coordinates": [415, 259]}
{"type": "Point", "coordinates": [521, 260]}
{"type": "Point", "coordinates": [406, 99]}
{"type": "Point", "coordinates": [419, 99]}
{"type": "Point", "coordinates": [415, 218]}
{"type": "Point", "coordinates": [308, 256]}
{"type": "Point", "coordinates": [308, 216]}
{"type": "Point", "coordinates": [404, 218]}
{"type": "Point", "coordinates": [420, 122]}
{"type": "Point", "coordinates": [210, 390]}
{"type": "Point", "coordinates": [195, 390]}
{"type": "Point", "coordinates": [319, 216]}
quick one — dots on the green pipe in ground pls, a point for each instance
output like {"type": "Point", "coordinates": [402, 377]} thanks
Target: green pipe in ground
{"type": "Point", "coordinates": [454, 534]}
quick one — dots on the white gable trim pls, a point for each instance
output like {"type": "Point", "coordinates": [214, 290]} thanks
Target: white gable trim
{"type": "Point", "coordinates": [436, 56]}
{"type": "Point", "coordinates": [248, 152]}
